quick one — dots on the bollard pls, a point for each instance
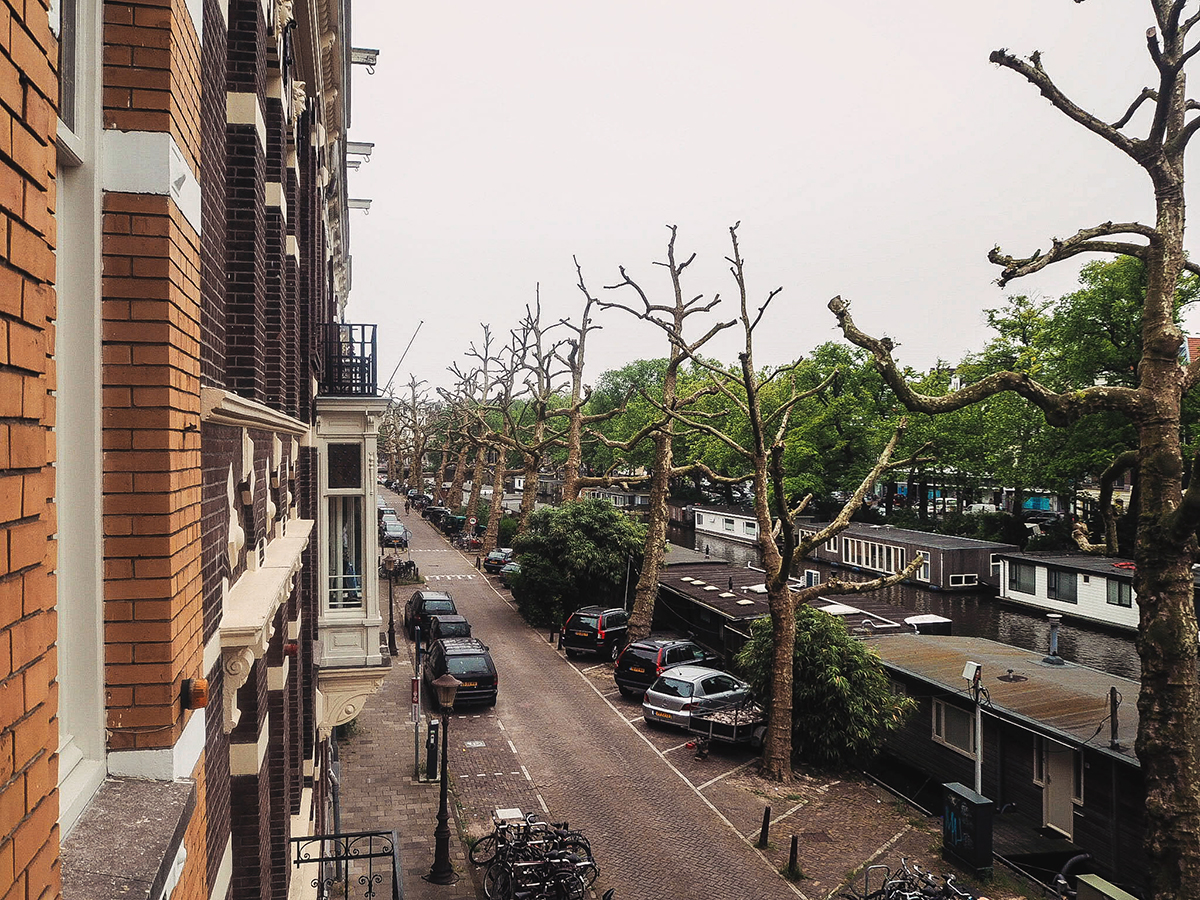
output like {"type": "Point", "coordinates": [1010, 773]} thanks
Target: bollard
{"type": "Point", "coordinates": [764, 835]}
{"type": "Point", "coordinates": [793, 869]}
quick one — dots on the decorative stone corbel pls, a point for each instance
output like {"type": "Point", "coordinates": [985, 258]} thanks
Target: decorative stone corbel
{"type": "Point", "coordinates": [236, 665]}
{"type": "Point", "coordinates": [284, 16]}
{"type": "Point", "coordinates": [299, 101]}
{"type": "Point", "coordinates": [237, 535]}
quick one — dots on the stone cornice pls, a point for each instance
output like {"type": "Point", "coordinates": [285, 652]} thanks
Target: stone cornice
{"type": "Point", "coordinates": [226, 408]}
{"type": "Point", "coordinates": [248, 618]}
{"type": "Point", "coordinates": [342, 693]}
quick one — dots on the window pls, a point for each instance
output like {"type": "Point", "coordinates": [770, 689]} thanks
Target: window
{"type": "Point", "coordinates": [923, 572]}
{"type": "Point", "coordinates": [1022, 578]}
{"type": "Point", "coordinates": [345, 466]}
{"type": "Point", "coordinates": [751, 527]}
{"type": "Point", "coordinates": [1120, 593]}
{"type": "Point", "coordinates": [995, 566]}
{"type": "Point", "coordinates": [811, 577]}
{"type": "Point", "coordinates": [831, 545]}
{"type": "Point", "coordinates": [1077, 780]}
{"type": "Point", "coordinates": [1039, 760]}
{"type": "Point", "coordinates": [954, 727]}
{"type": "Point", "coordinates": [1061, 585]}
{"type": "Point", "coordinates": [346, 550]}
{"type": "Point", "coordinates": [964, 580]}
{"type": "Point", "coordinates": [729, 524]}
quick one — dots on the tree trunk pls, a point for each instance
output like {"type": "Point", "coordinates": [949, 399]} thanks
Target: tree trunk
{"type": "Point", "coordinates": [476, 481]}
{"type": "Point", "coordinates": [496, 511]}
{"type": "Point", "coordinates": [454, 497]}
{"type": "Point", "coordinates": [656, 538]}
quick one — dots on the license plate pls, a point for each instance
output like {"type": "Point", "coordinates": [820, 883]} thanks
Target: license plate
{"type": "Point", "coordinates": [469, 684]}
{"type": "Point", "coordinates": [582, 634]}
{"type": "Point", "coordinates": [662, 715]}
{"type": "Point", "coordinates": [636, 669]}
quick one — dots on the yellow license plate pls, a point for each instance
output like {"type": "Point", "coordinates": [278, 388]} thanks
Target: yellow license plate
{"type": "Point", "coordinates": [636, 669]}
{"type": "Point", "coordinates": [582, 634]}
{"type": "Point", "coordinates": [662, 715]}
{"type": "Point", "coordinates": [469, 684]}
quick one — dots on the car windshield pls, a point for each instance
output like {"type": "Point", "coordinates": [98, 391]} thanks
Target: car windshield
{"type": "Point", "coordinates": [437, 606]}
{"type": "Point", "coordinates": [634, 654]}
{"type": "Point", "coordinates": [474, 666]}
{"type": "Point", "coordinates": [673, 687]}
{"type": "Point", "coordinates": [578, 621]}
{"type": "Point", "coordinates": [454, 629]}
{"type": "Point", "coordinates": [395, 528]}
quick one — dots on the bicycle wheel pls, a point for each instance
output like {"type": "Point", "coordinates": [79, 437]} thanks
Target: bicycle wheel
{"type": "Point", "coordinates": [498, 881]}
{"type": "Point", "coordinates": [588, 871]}
{"type": "Point", "coordinates": [483, 851]}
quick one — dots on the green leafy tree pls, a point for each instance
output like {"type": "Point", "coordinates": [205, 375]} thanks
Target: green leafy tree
{"type": "Point", "coordinates": [843, 707]}
{"type": "Point", "coordinates": [574, 555]}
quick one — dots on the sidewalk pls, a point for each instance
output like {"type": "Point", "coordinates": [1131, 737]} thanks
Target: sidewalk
{"type": "Point", "coordinates": [378, 789]}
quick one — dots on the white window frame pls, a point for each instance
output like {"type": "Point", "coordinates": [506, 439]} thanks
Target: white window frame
{"type": "Point", "coordinates": [939, 729]}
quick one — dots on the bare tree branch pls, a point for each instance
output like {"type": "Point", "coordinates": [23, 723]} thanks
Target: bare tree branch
{"type": "Point", "coordinates": [1083, 241]}
{"type": "Point", "coordinates": [1060, 409]}
{"type": "Point", "coordinates": [1147, 93]}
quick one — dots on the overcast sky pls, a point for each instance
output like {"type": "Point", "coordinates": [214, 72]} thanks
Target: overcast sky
{"type": "Point", "coordinates": [868, 150]}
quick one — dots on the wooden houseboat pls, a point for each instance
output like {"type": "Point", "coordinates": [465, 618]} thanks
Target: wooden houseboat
{"type": "Point", "coordinates": [951, 563]}
{"type": "Point", "coordinates": [1078, 585]}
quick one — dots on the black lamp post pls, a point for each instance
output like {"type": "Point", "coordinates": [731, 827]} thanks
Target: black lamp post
{"type": "Point", "coordinates": [442, 871]}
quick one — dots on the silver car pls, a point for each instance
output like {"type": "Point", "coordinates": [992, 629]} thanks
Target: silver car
{"type": "Point", "coordinates": [679, 692]}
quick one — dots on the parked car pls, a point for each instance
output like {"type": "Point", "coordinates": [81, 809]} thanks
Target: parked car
{"type": "Point", "coordinates": [387, 515]}
{"type": "Point", "coordinates": [642, 662]}
{"type": "Point", "coordinates": [422, 606]}
{"type": "Point", "coordinates": [434, 513]}
{"type": "Point", "coordinates": [509, 573]}
{"type": "Point", "coordinates": [679, 692]}
{"type": "Point", "coordinates": [595, 630]}
{"type": "Point", "coordinates": [394, 534]}
{"type": "Point", "coordinates": [468, 660]}
{"type": "Point", "coordinates": [497, 559]}
{"type": "Point", "coordinates": [448, 626]}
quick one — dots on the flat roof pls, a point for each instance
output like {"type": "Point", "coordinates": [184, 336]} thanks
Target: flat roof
{"type": "Point", "coordinates": [912, 536]}
{"type": "Point", "coordinates": [1070, 701]}
{"type": "Point", "coordinates": [1083, 562]}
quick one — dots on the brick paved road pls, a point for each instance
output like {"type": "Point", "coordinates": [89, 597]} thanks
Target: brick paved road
{"type": "Point", "coordinates": [555, 746]}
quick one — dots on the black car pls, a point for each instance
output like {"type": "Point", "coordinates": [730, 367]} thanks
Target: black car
{"type": "Point", "coordinates": [393, 534]}
{"type": "Point", "coordinates": [497, 559]}
{"type": "Point", "coordinates": [444, 625]}
{"type": "Point", "coordinates": [595, 630]}
{"type": "Point", "coordinates": [643, 661]}
{"type": "Point", "coordinates": [422, 606]}
{"type": "Point", "coordinates": [468, 660]}
{"type": "Point", "coordinates": [434, 513]}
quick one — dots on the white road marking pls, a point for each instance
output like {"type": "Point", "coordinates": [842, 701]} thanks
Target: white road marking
{"type": "Point", "coordinates": [712, 781]}
{"type": "Point", "coordinates": [512, 747]}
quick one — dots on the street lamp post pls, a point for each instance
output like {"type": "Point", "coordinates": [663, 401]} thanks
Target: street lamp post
{"type": "Point", "coordinates": [442, 871]}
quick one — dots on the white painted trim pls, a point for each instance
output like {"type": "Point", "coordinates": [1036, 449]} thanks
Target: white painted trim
{"type": "Point", "coordinates": [244, 109]}
{"type": "Point", "coordinates": [247, 759]}
{"type": "Point", "coordinates": [227, 408]}
{"type": "Point", "coordinates": [276, 198]}
{"type": "Point", "coordinates": [212, 652]}
{"type": "Point", "coordinates": [168, 764]}
{"type": "Point", "coordinates": [224, 877]}
{"type": "Point", "coordinates": [150, 162]}
{"type": "Point", "coordinates": [293, 627]}
{"type": "Point", "coordinates": [277, 676]}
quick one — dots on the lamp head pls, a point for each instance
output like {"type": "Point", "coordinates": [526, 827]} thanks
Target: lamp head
{"type": "Point", "coordinates": [447, 689]}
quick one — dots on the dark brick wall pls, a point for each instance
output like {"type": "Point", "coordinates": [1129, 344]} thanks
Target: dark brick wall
{"type": "Point", "coordinates": [212, 202]}
{"type": "Point", "coordinates": [216, 776]}
{"type": "Point", "coordinates": [219, 448]}
{"type": "Point", "coordinates": [279, 782]}
{"type": "Point", "coordinates": [245, 269]}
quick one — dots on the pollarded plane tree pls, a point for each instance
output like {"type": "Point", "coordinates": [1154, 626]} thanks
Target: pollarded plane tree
{"type": "Point", "coordinates": [671, 317]}
{"type": "Point", "coordinates": [475, 387]}
{"type": "Point", "coordinates": [1168, 740]}
{"type": "Point", "coordinates": [497, 427]}
{"type": "Point", "coordinates": [744, 390]}
{"type": "Point", "coordinates": [570, 352]}
{"type": "Point", "coordinates": [413, 414]}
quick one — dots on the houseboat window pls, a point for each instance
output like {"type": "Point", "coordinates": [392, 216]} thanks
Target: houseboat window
{"type": "Point", "coordinates": [831, 545]}
{"type": "Point", "coordinates": [811, 577]}
{"type": "Point", "coordinates": [964, 580]}
{"type": "Point", "coordinates": [1022, 578]}
{"type": "Point", "coordinates": [923, 572]}
{"type": "Point", "coordinates": [1039, 759]}
{"type": "Point", "coordinates": [954, 727]}
{"type": "Point", "coordinates": [995, 566]}
{"type": "Point", "coordinates": [750, 527]}
{"type": "Point", "coordinates": [1120, 593]}
{"type": "Point", "coordinates": [729, 524]}
{"type": "Point", "coordinates": [1077, 781]}
{"type": "Point", "coordinates": [1061, 585]}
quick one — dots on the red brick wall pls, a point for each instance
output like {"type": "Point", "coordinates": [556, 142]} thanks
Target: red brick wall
{"type": "Point", "coordinates": [28, 693]}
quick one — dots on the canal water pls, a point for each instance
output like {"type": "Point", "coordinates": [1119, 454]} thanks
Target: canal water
{"type": "Point", "coordinates": [977, 614]}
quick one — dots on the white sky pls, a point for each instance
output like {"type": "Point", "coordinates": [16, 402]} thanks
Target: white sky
{"type": "Point", "coordinates": [869, 149]}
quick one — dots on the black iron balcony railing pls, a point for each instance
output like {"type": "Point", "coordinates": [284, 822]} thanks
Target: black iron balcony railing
{"type": "Point", "coordinates": [348, 360]}
{"type": "Point", "coordinates": [359, 864]}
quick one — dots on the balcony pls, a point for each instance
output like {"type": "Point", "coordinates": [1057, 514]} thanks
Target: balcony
{"type": "Point", "coordinates": [348, 360]}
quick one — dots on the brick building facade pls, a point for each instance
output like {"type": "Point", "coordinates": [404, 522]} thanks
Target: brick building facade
{"type": "Point", "coordinates": [177, 636]}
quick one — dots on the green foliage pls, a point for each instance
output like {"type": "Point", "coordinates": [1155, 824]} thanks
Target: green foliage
{"type": "Point", "coordinates": [842, 703]}
{"type": "Point", "coordinates": [574, 555]}
{"type": "Point", "coordinates": [508, 530]}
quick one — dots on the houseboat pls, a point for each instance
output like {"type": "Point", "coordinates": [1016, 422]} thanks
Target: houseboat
{"type": "Point", "coordinates": [727, 523]}
{"type": "Point", "coordinates": [950, 563]}
{"type": "Point", "coordinates": [1077, 585]}
{"type": "Point", "coordinates": [1056, 744]}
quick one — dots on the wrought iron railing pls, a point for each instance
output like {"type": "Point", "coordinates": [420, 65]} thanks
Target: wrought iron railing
{"type": "Point", "coordinates": [348, 360]}
{"type": "Point", "coordinates": [352, 864]}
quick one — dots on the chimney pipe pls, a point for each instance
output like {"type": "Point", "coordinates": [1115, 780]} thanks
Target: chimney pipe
{"type": "Point", "coordinates": [1053, 659]}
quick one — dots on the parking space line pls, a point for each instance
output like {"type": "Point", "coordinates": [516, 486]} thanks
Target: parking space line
{"type": "Point", "coordinates": [677, 747]}
{"type": "Point", "coordinates": [720, 815]}
{"type": "Point", "coordinates": [753, 835]}
{"type": "Point", "coordinates": [713, 781]}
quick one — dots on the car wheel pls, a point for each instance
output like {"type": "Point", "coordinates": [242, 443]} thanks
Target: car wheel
{"type": "Point", "coordinates": [571, 651]}
{"type": "Point", "coordinates": [614, 651]}
{"type": "Point", "coordinates": [627, 693]}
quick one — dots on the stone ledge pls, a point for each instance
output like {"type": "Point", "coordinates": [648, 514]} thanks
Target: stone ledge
{"type": "Point", "coordinates": [128, 839]}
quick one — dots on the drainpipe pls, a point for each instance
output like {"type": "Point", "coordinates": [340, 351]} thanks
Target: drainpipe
{"type": "Point", "coordinates": [1053, 659]}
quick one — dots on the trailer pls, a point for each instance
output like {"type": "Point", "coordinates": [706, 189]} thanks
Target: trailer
{"type": "Point", "coordinates": [743, 722]}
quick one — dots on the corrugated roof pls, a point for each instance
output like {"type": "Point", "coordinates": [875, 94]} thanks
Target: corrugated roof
{"type": "Point", "coordinates": [1070, 701]}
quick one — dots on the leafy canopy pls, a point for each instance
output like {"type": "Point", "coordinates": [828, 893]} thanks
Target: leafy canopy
{"type": "Point", "coordinates": [574, 555]}
{"type": "Point", "coordinates": [843, 706]}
